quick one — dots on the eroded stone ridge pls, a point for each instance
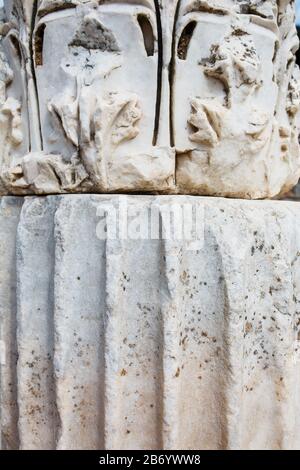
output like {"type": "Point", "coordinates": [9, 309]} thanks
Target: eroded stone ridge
{"type": "Point", "coordinates": [189, 96]}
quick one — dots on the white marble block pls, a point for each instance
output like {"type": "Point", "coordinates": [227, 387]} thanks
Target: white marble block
{"type": "Point", "coordinates": [149, 343]}
{"type": "Point", "coordinates": [165, 96]}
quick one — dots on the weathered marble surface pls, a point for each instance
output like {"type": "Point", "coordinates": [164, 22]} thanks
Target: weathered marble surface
{"type": "Point", "coordinates": [188, 96]}
{"type": "Point", "coordinates": [149, 343]}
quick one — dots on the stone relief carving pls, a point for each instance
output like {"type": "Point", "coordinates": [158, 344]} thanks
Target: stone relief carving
{"type": "Point", "coordinates": [188, 96]}
{"type": "Point", "coordinates": [237, 132]}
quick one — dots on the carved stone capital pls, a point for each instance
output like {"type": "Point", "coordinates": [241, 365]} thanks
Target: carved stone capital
{"type": "Point", "coordinates": [186, 96]}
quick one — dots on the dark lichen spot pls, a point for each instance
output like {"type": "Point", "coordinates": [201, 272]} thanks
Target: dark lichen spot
{"type": "Point", "coordinates": [93, 35]}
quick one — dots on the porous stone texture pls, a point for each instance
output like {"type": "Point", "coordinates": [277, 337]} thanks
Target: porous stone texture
{"type": "Point", "coordinates": [167, 96]}
{"type": "Point", "coordinates": [132, 343]}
